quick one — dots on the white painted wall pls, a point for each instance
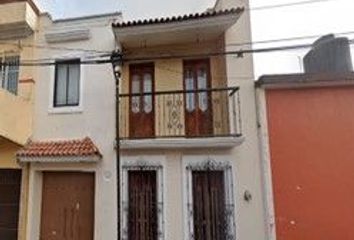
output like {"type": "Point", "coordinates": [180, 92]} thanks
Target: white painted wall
{"type": "Point", "coordinates": [244, 159]}
{"type": "Point", "coordinates": [250, 217]}
{"type": "Point", "coordinates": [95, 117]}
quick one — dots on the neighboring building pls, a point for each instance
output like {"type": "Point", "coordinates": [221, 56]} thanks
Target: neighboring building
{"type": "Point", "coordinates": [71, 155]}
{"type": "Point", "coordinates": [18, 26]}
{"type": "Point", "coordinates": [188, 169]}
{"type": "Point", "coordinates": [307, 133]}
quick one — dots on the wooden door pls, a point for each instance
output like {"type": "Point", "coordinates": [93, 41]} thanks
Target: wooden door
{"type": "Point", "coordinates": [67, 206]}
{"type": "Point", "coordinates": [142, 216]}
{"type": "Point", "coordinates": [198, 109]}
{"type": "Point", "coordinates": [209, 205]}
{"type": "Point", "coordinates": [141, 106]}
{"type": "Point", "coordinates": [10, 191]}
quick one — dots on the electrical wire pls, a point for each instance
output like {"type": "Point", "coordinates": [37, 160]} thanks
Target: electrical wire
{"type": "Point", "coordinates": [306, 37]}
{"type": "Point", "coordinates": [106, 55]}
{"type": "Point", "coordinates": [237, 53]}
{"type": "Point", "coordinates": [267, 7]}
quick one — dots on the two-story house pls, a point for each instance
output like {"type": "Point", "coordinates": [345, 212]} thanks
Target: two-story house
{"type": "Point", "coordinates": [18, 26]}
{"type": "Point", "coordinates": [71, 154]}
{"type": "Point", "coordinates": [189, 170]}
{"type": "Point", "coordinates": [187, 149]}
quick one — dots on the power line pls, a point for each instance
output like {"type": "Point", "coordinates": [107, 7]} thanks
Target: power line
{"type": "Point", "coordinates": [93, 58]}
{"type": "Point", "coordinates": [286, 39]}
{"type": "Point", "coordinates": [237, 53]}
{"type": "Point", "coordinates": [266, 7]}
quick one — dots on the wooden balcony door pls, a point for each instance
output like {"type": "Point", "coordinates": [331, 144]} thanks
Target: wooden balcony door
{"type": "Point", "coordinates": [198, 109]}
{"type": "Point", "coordinates": [142, 215]}
{"type": "Point", "coordinates": [10, 191]}
{"type": "Point", "coordinates": [141, 117]}
{"type": "Point", "coordinates": [209, 205]}
{"type": "Point", "coordinates": [67, 206]}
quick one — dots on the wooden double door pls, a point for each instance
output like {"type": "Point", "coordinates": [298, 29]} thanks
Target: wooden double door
{"type": "Point", "coordinates": [67, 206]}
{"type": "Point", "coordinates": [10, 191]}
{"type": "Point", "coordinates": [198, 105]}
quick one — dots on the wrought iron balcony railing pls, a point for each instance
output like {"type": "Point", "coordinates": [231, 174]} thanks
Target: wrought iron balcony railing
{"type": "Point", "coordinates": [180, 114]}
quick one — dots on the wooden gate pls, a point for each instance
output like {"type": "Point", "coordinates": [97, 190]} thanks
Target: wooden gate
{"type": "Point", "coordinates": [142, 216]}
{"type": "Point", "coordinates": [67, 206]}
{"type": "Point", "coordinates": [10, 191]}
{"type": "Point", "coordinates": [209, 205]}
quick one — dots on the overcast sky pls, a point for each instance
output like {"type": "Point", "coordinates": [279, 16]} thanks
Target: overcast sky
{"type": "Point", "coordinates": [333, 16]}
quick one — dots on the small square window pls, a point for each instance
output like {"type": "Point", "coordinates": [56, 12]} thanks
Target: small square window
{"type": "Point", "coordinates": [67, 83]}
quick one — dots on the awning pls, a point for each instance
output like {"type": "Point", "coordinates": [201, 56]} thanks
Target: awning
{"type": "Point", "coordinates": [197, 27]}
{"type": "Point", "coordinates": [78, 150]}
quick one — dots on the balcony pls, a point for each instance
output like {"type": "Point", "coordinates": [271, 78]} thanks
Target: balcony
{"type": "Point", "coordinates": [201, 118]}
{"type": "Point", "coordinates": [18, 19]}
{"type": "Point", "coordinates": [16, 120]}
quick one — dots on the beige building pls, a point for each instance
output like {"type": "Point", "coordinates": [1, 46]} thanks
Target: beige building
{"type": "Point", "coordinates": [18, 25]}
{"type": "Point", "coordinates": [189, 153]}
{"type": "Point", "coordinates": [71, 154]}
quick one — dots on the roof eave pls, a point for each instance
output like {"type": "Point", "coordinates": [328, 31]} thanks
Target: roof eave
{"type": "Point", "coordinates": [305, 80]}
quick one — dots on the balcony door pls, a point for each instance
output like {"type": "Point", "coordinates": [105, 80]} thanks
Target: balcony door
{"type": "Point", "coordinates": [198, 111]}
{"type": "Point", "coordinates": [142, 101]}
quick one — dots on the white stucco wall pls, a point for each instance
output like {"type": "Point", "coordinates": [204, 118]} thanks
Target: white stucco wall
{"type": "Point", "coordinates": [250, 216]}
{"type": "Point", "coordinates": [244, 159]}
{"type": "Point", "coordinates": [95, 118]}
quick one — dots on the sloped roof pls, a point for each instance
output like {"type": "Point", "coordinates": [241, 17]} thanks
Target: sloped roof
{"type": "Point", "coordinates": [63, 148]}
{"type": "Point", "coordinates": [206, 14]}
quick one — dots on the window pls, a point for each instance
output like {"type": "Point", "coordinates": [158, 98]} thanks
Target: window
{"type": "Point", "coordinates": [9, 73]}
{"type": "Point", "coordinates": [142, 201]}
{"type": "Point", "coordinates": [142, 213]}
{"type": "Point", "coordinates": [67, 83]}
{"type": "Point", "coordinates": [210, 207]}
{"type": "Point", "coordinates": [210, 220]}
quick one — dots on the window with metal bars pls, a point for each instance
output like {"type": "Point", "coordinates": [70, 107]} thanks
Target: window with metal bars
{"type": "Point", "coordinates": [9, 73]}
{"type": "Point", "coordinates": [210, 221]}
{"type": "Point", "coordinates": [142, 213]}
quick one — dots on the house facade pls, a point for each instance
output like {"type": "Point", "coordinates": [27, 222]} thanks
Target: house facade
{"type": "Point", "coordinates": [71, 154]}
{"type": "Point", "coordinates": [186, 142]}
{"type": "Point", "coordinates": [17, 32]}
{"type": "Point", "coordinates": [306, 132]}
{"type": "Point", "coordinates": [189, 156]}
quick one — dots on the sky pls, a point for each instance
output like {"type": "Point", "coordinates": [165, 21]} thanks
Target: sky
{"type": "Point", "coordinates": [331, 16]}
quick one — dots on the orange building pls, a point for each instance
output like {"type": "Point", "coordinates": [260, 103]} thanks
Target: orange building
{"type": "Point", "coordinates": [307, 132]}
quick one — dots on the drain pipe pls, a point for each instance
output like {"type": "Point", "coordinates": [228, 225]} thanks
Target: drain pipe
{"type": "Point", "coordinates": [116, 60]}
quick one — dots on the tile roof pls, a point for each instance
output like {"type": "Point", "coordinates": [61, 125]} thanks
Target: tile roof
{"type": "Point", "coordinates": [63, 148]}
{"type": "Point", "coordinates": [194, 16]}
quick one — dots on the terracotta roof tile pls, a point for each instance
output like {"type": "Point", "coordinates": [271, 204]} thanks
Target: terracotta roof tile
{"type": "Point", "coordinates": [63, 148]}
{"type": "Point", "coordinates": [205, 14]}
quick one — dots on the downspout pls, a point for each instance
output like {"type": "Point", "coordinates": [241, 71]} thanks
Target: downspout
{"type": "Point", "coordinates": [116, 59]}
